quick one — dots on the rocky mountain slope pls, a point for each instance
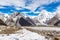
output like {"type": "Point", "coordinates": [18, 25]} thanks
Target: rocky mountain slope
{"type": "Point", "coordinates": [17, 19]}
{"type": "Point", "coordinates": [55, 20]}
{"type": "Point", "coordinates": [43, 17]}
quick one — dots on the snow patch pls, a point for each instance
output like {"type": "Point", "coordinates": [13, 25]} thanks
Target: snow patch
{"type": "Point", "coordinates": [23, 35]}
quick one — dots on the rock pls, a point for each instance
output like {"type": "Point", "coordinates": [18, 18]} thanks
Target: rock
{"type": "Point", "coordinates": [6, 16]}
{"type": "Point", "coordinates": [31, 21]}
{"type": "Point", "coordinates": [55, 20]}
{"type": "Point", "coordinates": [2, 23]}
{"type": "Point", "coordinates": [11, 21]}
{"type": "Point", "coordinates": [36, 21]}
{"type": "Point", "coordinates": [52, 21]}
{"type": "Point", "coordinates": [16, 19]}
{"type": "Point", "coordinates": [42, 18]}
{"type": "Point", "coordinates": [57, 23]}
{"type": "Point", "coordinates": [24, 22]}
{"type": "Point", "coordinates": [2, 20]}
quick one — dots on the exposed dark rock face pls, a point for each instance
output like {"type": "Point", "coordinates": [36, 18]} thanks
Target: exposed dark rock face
{"type": "Point", "coordinates": [52, 21]}
{"type": "Point", "coordinates": [56, 39]}
{"type": "Point", "coordinates": [57, 23]}
{"type": "Point", "coordinates": [2, 20]}
{"type": "Point", "coordinates": [2, 23]}
{"type": "Point", "coordinates": [24, 22]}
{"type": "Point", "coordinates": [31, 21]}
{"type": "Point", "coordinates": [17, 19]}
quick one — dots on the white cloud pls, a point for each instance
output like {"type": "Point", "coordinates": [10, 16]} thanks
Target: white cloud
{"type": "Point", "coordinates": [3, 13]}
{"type": "Point", "coordinates": [17, 8]}
{"type": "Point", "coordinates": [4, 2]}
{"type": "Point", "coordinates": [32, 17]}
{"type": "Point", "coordinates": [12, 2]}
{"type": "Point", "coordinates": [37, 12]}
{"type": "Point", "coordinates": [32, 6]}
{"type": "Point", "coordinates": [47, 14]}
{"type": "Point", "coordinates": [37, 3]}
{"type": "Point", "coordinates": [17, 2]}
{"type": "Point", "coordinates": [58, 9]}
{"type": "Point", "coordinates": [52, 14]}
{"type": "Point", "coordinates": [21, 3]}
{"type": "Point", "coordinates": [24, 12]}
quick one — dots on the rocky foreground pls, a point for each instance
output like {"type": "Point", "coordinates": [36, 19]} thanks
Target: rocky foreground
{"type": "Point", "coordinates": [23, 35]}
{"type": "Point", "coordinates": [20, 34]}
{"type": "Point", "coordinates": [27, 33]}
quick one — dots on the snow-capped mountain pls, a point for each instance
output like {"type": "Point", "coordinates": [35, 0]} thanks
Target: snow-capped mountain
{"type": "Point", "coordinates": [55, 20]}
{"type": "Point", "coordinates": [43, 17]}
{"type": "Point", "coordinates": [17, 18]}
{"type": "Point", "coordinates": [6, 16]}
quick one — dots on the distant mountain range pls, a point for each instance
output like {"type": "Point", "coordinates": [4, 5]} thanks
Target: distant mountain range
{"type": "Point", "coordinates": [17, 19]}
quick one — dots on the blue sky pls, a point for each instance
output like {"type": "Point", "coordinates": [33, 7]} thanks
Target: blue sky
{"type": "Point", "coordinates": [30, 7]}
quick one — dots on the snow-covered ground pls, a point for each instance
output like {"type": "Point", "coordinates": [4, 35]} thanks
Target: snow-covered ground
{"type": "Point", "coordinates": [22, 35]}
